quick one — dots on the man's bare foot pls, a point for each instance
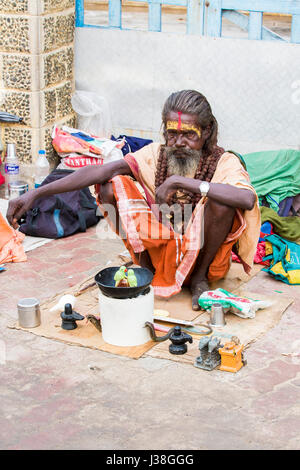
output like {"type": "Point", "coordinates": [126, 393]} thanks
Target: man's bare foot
{"type": "Point", "coordinates": [197, 288]}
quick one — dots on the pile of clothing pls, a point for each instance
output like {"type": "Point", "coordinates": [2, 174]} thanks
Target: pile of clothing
{"type": "Point", "coordinates": [275, 175]}
{"type": "Point", "coordinates": [77, 148]}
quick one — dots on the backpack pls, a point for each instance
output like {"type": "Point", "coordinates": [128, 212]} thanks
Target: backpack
{"type": "Point", "coordinates": [60, 215]}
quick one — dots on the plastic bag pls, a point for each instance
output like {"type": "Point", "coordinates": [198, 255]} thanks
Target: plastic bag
{"type": "Point", "coordinates": [93, 113]}
{"type": "Point", "coordinates": [63, 142]}
{"type": "Point", "coordinates": [66, 141]}
{"type": "Point", "coordinates": [244, 307]}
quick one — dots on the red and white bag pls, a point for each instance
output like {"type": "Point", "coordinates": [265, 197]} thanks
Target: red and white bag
{"type": "Point", "coordinates": [75, 152]}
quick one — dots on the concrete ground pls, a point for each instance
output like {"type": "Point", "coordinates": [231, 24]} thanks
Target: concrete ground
{"type": "Point", "coordinates": [57, 396]}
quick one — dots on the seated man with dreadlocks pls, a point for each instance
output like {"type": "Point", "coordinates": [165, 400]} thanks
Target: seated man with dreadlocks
{"type": "Point", "coordinates": [194, 203]}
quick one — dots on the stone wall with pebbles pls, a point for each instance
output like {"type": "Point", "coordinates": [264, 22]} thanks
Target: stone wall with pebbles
{"type": "Point", "coordinates": [14, 33]}
{"type": "Point", "coordinates": [14, 6]}
{"type": "Point", "coordinates": [36, 72]}
{"type": "Point", "coordinates": [58, 30]}
{"type": "Point", "coordinates": [16, 71]}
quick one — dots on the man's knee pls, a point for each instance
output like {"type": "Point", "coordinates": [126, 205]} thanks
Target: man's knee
{"type": "Point", "coordinates": [218, 210]}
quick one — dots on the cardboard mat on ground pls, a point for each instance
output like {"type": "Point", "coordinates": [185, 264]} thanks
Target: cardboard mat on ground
{"type": "Point", "coordinates": [179, 306]}
{"type": "Point", "coordinates": [248, 330]}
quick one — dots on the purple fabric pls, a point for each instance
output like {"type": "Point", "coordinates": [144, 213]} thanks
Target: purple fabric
{"type": "Point", "coordinates": [285, 206]}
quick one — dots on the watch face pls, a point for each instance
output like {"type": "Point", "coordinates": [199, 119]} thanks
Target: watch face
{"type": "Point", "coordinates": [204, 188]}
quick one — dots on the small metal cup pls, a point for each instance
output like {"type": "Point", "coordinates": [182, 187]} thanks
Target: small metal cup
{"type": "Point", "coordinates": [29, 312]}
{"type": "Point", "coordinates": [217, 317]}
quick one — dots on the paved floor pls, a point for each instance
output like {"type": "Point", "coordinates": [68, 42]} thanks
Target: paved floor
{"type": "Point", "coordinates": [57, 396]}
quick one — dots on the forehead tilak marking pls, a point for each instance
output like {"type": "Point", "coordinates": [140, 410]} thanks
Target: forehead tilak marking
{"type": "Point", "coordinates": [174, 126]}
{"type": "Point", "coordinates": [179, 120]}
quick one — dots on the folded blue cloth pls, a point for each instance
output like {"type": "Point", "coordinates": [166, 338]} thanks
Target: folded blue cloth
{"type": "Point", "coordinates": [132, 144]}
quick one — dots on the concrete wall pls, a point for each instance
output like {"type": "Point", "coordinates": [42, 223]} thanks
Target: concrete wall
{"type": "Point", "coordinates": [36, 71]}
{"type": "Point", "coordinates": [253, 86]}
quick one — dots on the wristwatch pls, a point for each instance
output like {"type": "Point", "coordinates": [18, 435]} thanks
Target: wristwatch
{"type": "Point", "coordinates": [204, 188]}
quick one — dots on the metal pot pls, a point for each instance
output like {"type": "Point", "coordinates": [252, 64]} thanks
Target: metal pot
{"type": "Point", "coordinates": [17, 188]}
{"type": "Point", "coordinates": [29, 312]}
{"type": "Point", "coordinates": [106, 283]}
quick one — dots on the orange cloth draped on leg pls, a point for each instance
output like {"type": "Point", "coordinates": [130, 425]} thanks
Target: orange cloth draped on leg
{"type": "Point", "coordinates": [172, 254]}
{"type": "Point", "coordinates": [11, 248]}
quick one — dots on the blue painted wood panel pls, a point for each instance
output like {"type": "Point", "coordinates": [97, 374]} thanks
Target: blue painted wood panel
{"type": "Point", "coordinates": [289, 7]}
{"type": "Point", "coordinates": [295, 34]}
{"type": "Point", "coordinates": [256, 8]}
{"type": "Point", "coordinates": [115, 13]}
{"type": "Point", "coordinates": [205, 17]}
{"type": "Point", "coordinates": [79, 13]}
{"type": "Point", "coordinates": [154, 15]}
{"type": "Point", "coordinates": [195, 17]}
{"type": "Point", "coordinates": [214, 18]}
{"type": "Point", "coordinates": [242, 21]}
{"type": "Point", "coordinates": [255, 25]}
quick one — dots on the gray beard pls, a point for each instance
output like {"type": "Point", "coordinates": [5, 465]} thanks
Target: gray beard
{"type": "Point", "coordinates": [182, 162]}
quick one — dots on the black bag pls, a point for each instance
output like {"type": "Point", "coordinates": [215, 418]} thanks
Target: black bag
{"type": "Point", "coordinates": [60, 215]}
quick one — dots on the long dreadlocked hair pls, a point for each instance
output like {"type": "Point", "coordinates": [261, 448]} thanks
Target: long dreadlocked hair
{"type": "Point", "coordinates": [191, 102]}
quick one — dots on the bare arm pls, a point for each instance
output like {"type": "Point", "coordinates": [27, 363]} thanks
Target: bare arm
{"type": "Point", "coordinates": [223, 193]}
{"type": "Point", "coordinates": [82, 178]}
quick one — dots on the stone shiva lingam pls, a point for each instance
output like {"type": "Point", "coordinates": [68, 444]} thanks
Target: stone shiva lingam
{"type": "Point", "coordinates": [69, 318]}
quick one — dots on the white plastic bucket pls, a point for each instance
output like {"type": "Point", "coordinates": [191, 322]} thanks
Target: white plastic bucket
{"type": "Point", "coordinates": [123, 320]}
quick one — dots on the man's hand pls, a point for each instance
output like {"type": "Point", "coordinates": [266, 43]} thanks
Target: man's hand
{"type": "Point", "coordinates": [166, 190]}
{"type": "Point", "coordinates": [18, 206]}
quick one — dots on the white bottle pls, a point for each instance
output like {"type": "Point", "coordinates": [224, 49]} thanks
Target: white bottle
{"type": "Point", "coordinates": [11, 167]}
{"type": "Point", "coordinates": [41, 168]}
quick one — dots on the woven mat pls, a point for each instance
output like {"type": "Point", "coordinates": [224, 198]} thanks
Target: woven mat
{"type": "Point", "coordinates": [179, 306]}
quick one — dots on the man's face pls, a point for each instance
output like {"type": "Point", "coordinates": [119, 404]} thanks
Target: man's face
{"type": "Point", "coordinates": [183, 131]}
{"type": "Point", "coordinates": [184, 141]}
